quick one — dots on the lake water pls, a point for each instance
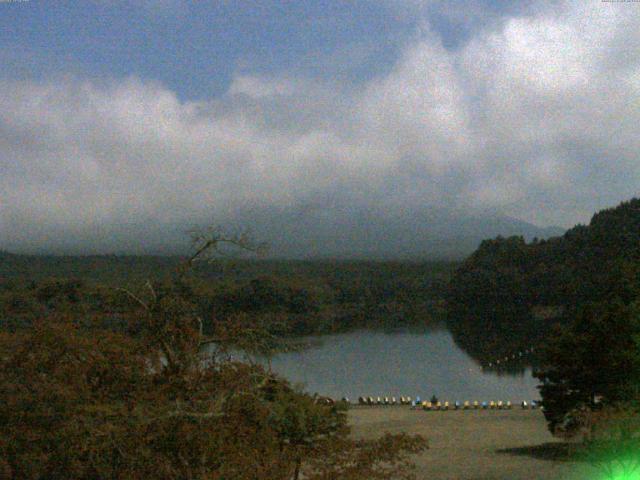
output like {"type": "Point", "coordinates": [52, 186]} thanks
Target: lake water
{"type": "Point", "coordinates": [367, 363]}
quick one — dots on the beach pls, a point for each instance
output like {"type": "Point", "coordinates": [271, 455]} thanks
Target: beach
{"type": "Point", "coordinates": [476, 444]}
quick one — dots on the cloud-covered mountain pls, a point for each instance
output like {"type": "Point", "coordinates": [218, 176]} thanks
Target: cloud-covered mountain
{"type": "Point", "coordinates": [319, 230]}
{"type": "Point", "coordinates": [363, 232]}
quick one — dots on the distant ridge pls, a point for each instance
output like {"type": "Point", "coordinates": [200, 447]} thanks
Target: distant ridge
{"type": "Point", "coordinates": [320, 231]}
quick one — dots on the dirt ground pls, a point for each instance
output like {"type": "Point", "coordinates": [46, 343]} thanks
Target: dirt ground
{"type": "Point", "coordinates": [477, 444]}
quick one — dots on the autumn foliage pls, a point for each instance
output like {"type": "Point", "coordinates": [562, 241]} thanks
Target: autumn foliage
{"type": "Point", "coordinates": [157, 399]}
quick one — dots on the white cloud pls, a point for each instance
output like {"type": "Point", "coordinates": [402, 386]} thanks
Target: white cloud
{"type": "Point", "coordinates": [536, 119]}
{"type": "Point", "coordinates": [260, 88]}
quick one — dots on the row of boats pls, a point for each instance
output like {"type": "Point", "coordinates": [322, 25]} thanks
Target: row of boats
{"type": "Point", "coordinates": [508, 358]}
{"type": "Point", "coordinates": [437, 405]}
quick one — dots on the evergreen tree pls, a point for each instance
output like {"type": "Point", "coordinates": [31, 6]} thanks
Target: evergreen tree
{"type": "Point", "coordinates": [593, 363]}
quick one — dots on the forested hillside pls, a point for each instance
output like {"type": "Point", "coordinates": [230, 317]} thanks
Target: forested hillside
{"type": "Point", "coordinates": [509, 293]}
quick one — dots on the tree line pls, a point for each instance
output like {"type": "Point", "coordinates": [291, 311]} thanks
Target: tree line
{"type": "Point", "coordinates": [296, 297]}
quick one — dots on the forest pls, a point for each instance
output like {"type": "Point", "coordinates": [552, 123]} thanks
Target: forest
{"type": "Point", "coordinates": [293, 297]}
{"type": "Point", "coordinates": [510, 293]}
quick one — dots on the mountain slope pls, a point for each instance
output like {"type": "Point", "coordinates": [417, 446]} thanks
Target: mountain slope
{"type": "Point", "coordinates": [369, 233]}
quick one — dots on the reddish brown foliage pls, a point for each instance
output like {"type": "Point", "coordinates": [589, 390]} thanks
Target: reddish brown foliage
{"type": "Point", "coordinates": [86, 403]}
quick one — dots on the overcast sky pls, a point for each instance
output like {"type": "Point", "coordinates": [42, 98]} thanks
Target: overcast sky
{"type": "Point", "coordinates": [120, 115]}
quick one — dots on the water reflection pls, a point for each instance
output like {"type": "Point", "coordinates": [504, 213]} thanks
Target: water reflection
{"type": "Point", "coordinates": [402, 363]}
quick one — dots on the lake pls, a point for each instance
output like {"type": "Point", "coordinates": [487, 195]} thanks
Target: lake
{"type": "Point", "coordinates": [369, 363]}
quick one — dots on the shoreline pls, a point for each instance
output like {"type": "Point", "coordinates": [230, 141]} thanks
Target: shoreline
{"type": "Point", "coordinates": [477, 444]}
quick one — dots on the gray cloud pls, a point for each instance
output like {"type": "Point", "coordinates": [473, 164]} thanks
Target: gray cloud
{"type": "Point", "coordinates": [536, 118]}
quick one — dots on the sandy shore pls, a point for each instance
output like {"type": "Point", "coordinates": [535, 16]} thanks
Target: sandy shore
{"type": "Point", "coordinates": [477, 444]}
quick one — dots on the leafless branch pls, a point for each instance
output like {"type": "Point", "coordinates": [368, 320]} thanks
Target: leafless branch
{"type": "Point", "coordinates": [151, 289]}
{"type": "Point", "coordinates": [208, 242]}
{"type": "Point", "coordinates": [137, 299]}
